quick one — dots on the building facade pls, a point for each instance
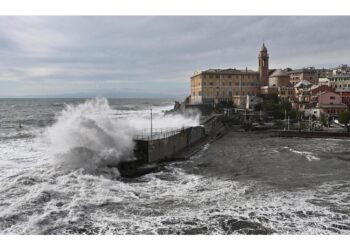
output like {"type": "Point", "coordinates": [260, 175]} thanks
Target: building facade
{"type": "Point", "coordinates": [309, 74]}
{"type": "Point", "coordinates": [339, 81]}
{"type": "Point", "coordinates": [223, 85]}
{"type": "Point", "coordinates": [324, 73]}
{"type": "Point", "coordinates": [286, 93]}
{"type": "Point", "coordinates": [229, 85]}
{"type": "Point", "coordinates": [330, 103]}
{"type": "Point", "coordinates": [344, 94]}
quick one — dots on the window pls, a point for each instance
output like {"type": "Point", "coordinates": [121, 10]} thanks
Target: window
{"type": "Point", "coordinates": [211, 84]}
{"type": "Point", "coordinates": [229, 76]}
{"type": "Point", "coordinates": [217, 76]}
{"type": "Point", "coordinates": [237, 84]}
{"type": "Point", "coordinates": [332, 97]}
{"type": "Point", "coordinates": [230, 83]}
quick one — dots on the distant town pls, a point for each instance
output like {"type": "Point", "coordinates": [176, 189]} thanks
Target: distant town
{"type": "Point", "coordinates": [322, 95]}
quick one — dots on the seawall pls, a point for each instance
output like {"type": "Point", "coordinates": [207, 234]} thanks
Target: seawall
{"type": "Point", "coordinates": [165, 148]}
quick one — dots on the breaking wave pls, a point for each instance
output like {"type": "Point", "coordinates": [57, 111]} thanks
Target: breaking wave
{"type": "Point", "coordinates": [90, 135]}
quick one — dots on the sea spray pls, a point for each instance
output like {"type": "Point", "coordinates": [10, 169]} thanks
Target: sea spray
{"type": "Point", "coordinates": [90, 135]}
{"type": "Point", "coordinates": [86, 136]}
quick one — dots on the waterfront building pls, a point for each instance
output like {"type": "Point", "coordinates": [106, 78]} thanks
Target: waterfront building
{"type": "Point", "coordinates": [326, 103]}
{"type": "Point", "coordinates": [329, 103]}
{"type": "Point", "coordinates": [309, 74]}
{"type": "Point", "coordinates": [223, 85]}
{"type": "Point", "coordinates": [213, 86]}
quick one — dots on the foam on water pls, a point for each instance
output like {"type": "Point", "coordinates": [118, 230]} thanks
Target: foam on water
{"type": "Point", "coordinates": [308, 155]}
{"type": "Point", "coordinates": [89, 136]}
{"type": "Point", "coordinates": [38, 196]}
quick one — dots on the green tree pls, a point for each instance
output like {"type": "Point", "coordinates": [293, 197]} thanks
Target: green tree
{"type": "Point", "coordinates": [344, 118]}
{"type": "Point", "coordinates": [323, 120]}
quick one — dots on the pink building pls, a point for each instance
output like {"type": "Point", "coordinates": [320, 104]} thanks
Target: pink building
{"type": "Point", "coordinates": [330, 103]}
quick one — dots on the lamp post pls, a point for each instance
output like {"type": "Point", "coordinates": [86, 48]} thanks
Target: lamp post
{"type": "Point", "coordinates": [151, 124]}
{"type": "Point", "coordinates": [285, 118]}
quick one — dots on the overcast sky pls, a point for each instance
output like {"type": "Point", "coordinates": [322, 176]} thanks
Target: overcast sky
{"type": "Point", "coordinates": [154, 56]}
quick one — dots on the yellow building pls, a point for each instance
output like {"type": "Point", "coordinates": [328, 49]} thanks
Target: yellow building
{"type": "Point", "coordinates": [227, 85]}
{"type": "Point", "coordinates": [286, 93]}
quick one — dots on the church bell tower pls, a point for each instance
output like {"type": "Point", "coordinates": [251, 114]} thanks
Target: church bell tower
{"type": "Point", "coordinates": [264, 66]}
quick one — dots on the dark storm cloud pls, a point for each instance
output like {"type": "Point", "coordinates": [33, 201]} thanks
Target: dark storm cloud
{"type": "Point", "coordinates": [153, 56]}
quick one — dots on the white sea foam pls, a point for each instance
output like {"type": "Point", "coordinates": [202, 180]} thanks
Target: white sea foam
{"type": "Point", "coordinates": [89, 135]}
{"type": "Point", "coordinates": [308, 155]}
{"type": "Point", "coordinates": [38, 199]}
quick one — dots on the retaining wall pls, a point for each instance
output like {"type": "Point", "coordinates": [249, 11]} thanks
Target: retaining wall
{"type": "Point", "coordinates": [163, 149]}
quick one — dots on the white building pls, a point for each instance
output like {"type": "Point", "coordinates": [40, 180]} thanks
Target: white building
{"type": "Point", "coordinates": [251, 101]}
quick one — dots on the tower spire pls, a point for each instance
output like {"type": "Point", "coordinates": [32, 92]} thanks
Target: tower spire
{"type": "Point", "coordinates": [264, 65]}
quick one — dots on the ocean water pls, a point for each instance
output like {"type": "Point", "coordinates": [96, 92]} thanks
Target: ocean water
{"type": "Point", "coordinates": [53, 178]}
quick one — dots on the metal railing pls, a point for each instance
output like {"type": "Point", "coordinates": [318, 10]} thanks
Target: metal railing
{"type": "Point", "coordinates": [158, 133]}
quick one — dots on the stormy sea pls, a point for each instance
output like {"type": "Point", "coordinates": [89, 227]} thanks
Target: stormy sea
{"type": "Point", "coordinates": [54, 180]}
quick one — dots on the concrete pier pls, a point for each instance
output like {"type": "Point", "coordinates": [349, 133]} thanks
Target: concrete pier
{"type": "Point", "coordinates": [169, 145]}
{"type": "Point", "coordinates": [161, 149]}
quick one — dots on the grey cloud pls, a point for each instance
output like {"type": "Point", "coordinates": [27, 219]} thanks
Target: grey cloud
{"type": "Point", "coordinates": [154, 56]}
